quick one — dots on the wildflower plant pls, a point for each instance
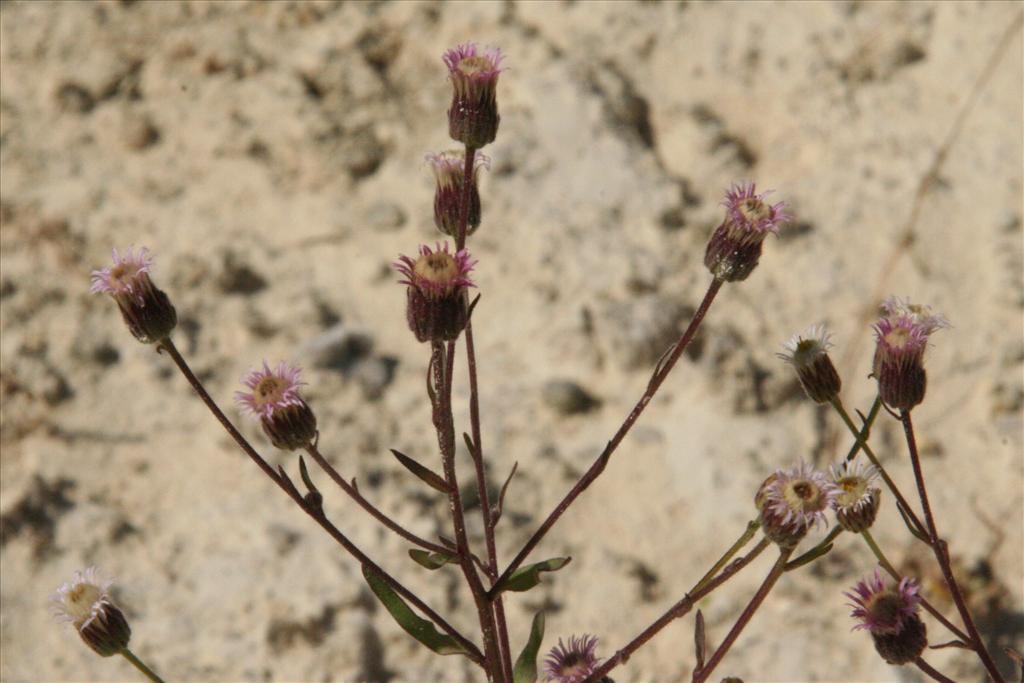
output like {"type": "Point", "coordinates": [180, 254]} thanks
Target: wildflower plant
{"type": "Point", "coordinates": [793, 500]}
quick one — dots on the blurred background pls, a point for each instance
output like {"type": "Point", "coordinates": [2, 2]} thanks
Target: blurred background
{"type": "Point", "coordinates": [270, 155]}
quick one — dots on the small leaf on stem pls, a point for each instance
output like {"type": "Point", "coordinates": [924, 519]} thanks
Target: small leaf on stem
{"type": "Point", "coordinates": [417, 627]}
{"type": "Point", "coordinates": [953, 643]}
{"type": "Point", "coordinates": [525, 669]}
{"type": "Point", "coordinates": [501, 496]}
{"type": "Point", "coordinates": [525, 578]}
{"type": "Point", "coordinates": [427, 476]}
{"type": "Point", "coordinates": [431, 560]}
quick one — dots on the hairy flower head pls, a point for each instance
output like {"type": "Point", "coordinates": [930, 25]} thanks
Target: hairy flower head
{"type": "Point", "coordinates": [882, 608]}
{"type": "Point", "coordinates": [128, 276]}
{"type": "Point", "coordinates": [270, 390]}
{"type": "Point", "coordinates": [85, 603]}
{"type": "Point", "coordinates": [572, 663]}
{"type": "Point", "coordinates": [436, 273]}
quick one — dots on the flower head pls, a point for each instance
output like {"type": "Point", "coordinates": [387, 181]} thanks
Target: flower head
{"type": "Point", "coordinates": [748, 212]}
{"type": "Point", "coordinates": [449, 172]}
{"type": "Point", "coordinates": [883, 609]}
{"type": "Point", "coordinates": [889, 613]}
{"type": "Point", "coordinates": [792, 501]}
{"type": "Point", "coordinates": [572, 663]}
{"type": "Point", "coordinates": [146, 310]}
{"type": "Point", "coordinates": [735, 247]}
{"type": "Point", "coordinates": [127, 277]}
{"type": "Point", "coordinates": [902, 336]}
{"type": "Point", "coordinates": [473, 115]}
{"type": "Point", "coordinates": [274, 398]}
{"type": "Point", "coordinates": [808, 354]}
{"type": "Point", "coordinates": [436, 309]}
{"type": "Point", "coordinates": [85, 603]}
{"type": "Point", "coordinates": [857, 500]}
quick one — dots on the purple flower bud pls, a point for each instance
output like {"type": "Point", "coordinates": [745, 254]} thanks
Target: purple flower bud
{"type": "Point", "coordinates": [473, 115]}
{"type": "Point", "coordinates": [437, 307]}
{"type": "Point", "coordinates": [902, 335]}
{"type": "Point", "coordinates": [146, 310]}
{"type": "Point", "coordinates": [735, 246]}
{"type": "Point", "coordinates": [808, 354]}
{"type": "Point", "coordinates": [889, 613]}
{"type": "Point", "coordinates": [449, 171]}
{"type": "Point", "coordinates": [274, 398]}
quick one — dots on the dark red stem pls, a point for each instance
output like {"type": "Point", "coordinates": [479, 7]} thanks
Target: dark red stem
{"type": "Point", "coordinates": [778, 569]}
{"type": "Point", "coordinates": [677, 610]}
{"type": "Point", "coordinates": [473, 651]}
{"type": "Point", "coordinates": [353, 493]}
{"type": "Point", "coordinates": [660, 373]}
{"type": "Point", "coordinates": [931, 671]}
{"type": "Point", "coordinates": [942, 554]}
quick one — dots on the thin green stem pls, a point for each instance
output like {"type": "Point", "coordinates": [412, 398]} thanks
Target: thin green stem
{"type": "Point", "coordinates": [900, 500]}
{"type": "Point", "coordinates": [740, 543]}
{"type": "Point", "coordinates": [141, 666]}
{"type": "Point", "coordinates": [887, 566]}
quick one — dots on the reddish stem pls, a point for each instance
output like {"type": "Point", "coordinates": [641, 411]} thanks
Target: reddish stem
{"type": "Point", "coordinates": [660, 373]}
{"type": "Point", "coordinates": [942, 554]}
{"type": "Point", "coordinates": [317, 514]}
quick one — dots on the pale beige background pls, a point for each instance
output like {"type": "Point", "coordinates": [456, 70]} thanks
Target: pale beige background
{"type": "Point", "coordinates": [270, 154]}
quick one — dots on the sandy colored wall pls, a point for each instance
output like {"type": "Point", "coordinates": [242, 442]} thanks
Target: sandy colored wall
{"type": "Point", "coordinates": [271, 157]}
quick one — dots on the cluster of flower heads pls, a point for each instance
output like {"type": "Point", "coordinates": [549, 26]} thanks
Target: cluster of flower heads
{"type": "Point", "coordinates": [890, 614]}
{"type": "Point", "coordinates": [85, 603]}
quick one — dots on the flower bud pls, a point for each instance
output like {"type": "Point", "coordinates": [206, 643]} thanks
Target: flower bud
{"type": "Point", "coordinates": [856, 503]}
{"type": "Point", "coordinates": [449, 171]}
{"type": "Point", "coordinates": [274, 398]}
{"type": "Point", "coordinates": [473, 115]}
{"type": "Point", "coordinates": [437, 308]}
{"type": "Point", "coordinates": [902, 336]}
{"type": "Point", "coordinates": [808, 354]}
{"type": "Point", "coordinates": [146, 310]}
{"type": "Point", "coordinates": [85, 603]}
{"type": "Point", "coordinates": [889, 613]}
{"type": "Point", "coordinates": [791, 502]}
{"type": "Point", "coordinates": [735, 246]}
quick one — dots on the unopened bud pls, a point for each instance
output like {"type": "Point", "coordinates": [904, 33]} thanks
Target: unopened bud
{"type": "Point", "coordinates": [735, 247]}
{"type": "Point", "coordinates": [808, 354]}
{"type": "Point", "coordinates": [450, 172]}
{"type": "Point", "coordinates": [473, 116]}
{"type": "Point", "coordinates": [902, 336]}
{"type": "Point", "coordinates": [146, 310]}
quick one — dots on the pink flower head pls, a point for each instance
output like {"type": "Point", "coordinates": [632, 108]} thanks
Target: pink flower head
{"type": "Point", "coordinates": [436, 274]}
{"type": "Point", "coordinates": [796, 499]}
{"type": "Point", "coordinates": [749, 213]}
{"type": "Point", "coordinates": [574, 663]}
{"type": "Point", "coordinates": [127, 279]}
{"type": "Point", "coordinates": [449, 166]}
{"type": "Point", "coordinates": [883, 610]}
{"type": "Point", "coordinates": [902, 332]}
{"type": "Point", "coordinates": [472, 69]}
{"type": "Point", "coordinates": [271, 390]}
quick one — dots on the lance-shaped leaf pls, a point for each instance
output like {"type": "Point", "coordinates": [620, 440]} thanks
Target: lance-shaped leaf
{"type": "Point", "coordinates": [433, 480]}
{"type": "Point", "coordinates": [417, 627]}
{"type": "Point", "coordinates": [431, 560]}
{"type": "Point", "coordinates": [525, 670]}
{"type": "Point", "coordinates": [699, 641]}
{"type": "Point", "coordinates": [525, 578]}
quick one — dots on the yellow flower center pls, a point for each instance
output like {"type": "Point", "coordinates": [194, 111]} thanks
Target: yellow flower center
{"type": "Point", "coordinates": [754, 210]}
{"type": "Point", "coordinates": [269, 390]}
{"type": "Point", "coordinates": [801, 494]}
{"type": "Point", "coordinates": [471, 66]}
{"type": "Point", "coordinates": [852, 489]}
{"type": "Point", "coordinates": [438, 267]}
{"type": "Point", "coordinates": [79, 601]}
{"type": "Point", "coordinates": [897, 337]}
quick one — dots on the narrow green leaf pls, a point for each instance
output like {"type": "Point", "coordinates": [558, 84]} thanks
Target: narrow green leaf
{"type": "Point", "coordinates": [525, 670]}
{"type": "Point", "coordinates": [525, 578]}
{"type": "Point", "coordinates": [417, 627]}
{"type": "Point", "coordinates": [433, 480]}
{"type": "Point", "coordinates": [431, 560]}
